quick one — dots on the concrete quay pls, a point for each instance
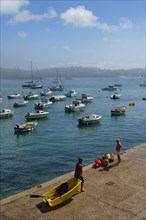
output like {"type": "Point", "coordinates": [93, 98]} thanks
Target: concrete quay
{"type": "Point", "coordinates": [117, 194]}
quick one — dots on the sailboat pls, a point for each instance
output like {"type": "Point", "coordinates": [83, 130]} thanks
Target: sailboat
{"type": "Point", "coordinates": [32, 84]}
{"type": "Point", "coordinates": [57, 85]}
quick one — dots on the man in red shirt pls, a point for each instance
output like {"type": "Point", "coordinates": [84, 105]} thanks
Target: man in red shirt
{"type": "Point", "coordinates": [118, 150]}
{"type": "Point", "coordinates": [78, 172]}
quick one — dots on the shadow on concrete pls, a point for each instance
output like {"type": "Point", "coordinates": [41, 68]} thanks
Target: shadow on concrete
{"type": "Point", "coordinates": [110, 166]}
{"type": "Point", "coordinates": [44, 207]}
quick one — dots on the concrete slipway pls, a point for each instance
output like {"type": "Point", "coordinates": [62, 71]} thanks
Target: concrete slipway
{"type": "Point", "coordinates": [117, 194]}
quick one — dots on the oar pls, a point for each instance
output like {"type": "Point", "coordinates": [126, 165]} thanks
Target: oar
{"type": "Point", "coordinates": [35, 196]}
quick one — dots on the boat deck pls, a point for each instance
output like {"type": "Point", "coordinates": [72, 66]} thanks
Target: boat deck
{"type": "Point", "coordinates": [115, 194]}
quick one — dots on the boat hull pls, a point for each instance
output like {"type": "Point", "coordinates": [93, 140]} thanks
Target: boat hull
{"type": "Point", "coordinates": [53, 198]}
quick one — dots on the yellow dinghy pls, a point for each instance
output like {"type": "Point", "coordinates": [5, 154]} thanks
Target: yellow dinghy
{"type": "Point", "coordinates": [62, 192]}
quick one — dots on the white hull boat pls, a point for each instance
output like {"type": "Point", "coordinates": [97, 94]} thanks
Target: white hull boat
{"type": "Point", "coordinates": [77, 105]}
{"type": "Point", "coordinates": [29, 126]}
{"type": "Point", "coordinates": [31, 96]}
{"type": "Point", "coordinates": [71, 93]}
{"type": "Point", "coordinates": [14, 96]}
{"type": "Point", "coordinates": [45, 103]}
{"type": "Point", "coordinates": [115, 96]}
{"type": "Point", "coordinates": [46, 92]}
{"type": "Point", "coordinates": [89, 119]}
{"type": "Point", "coordinates": [20, 103]}
{"type": "Point", "coordinates": [36, 115]}
{"type": "Point", "coordinates": [57, 98]}
{"type": "Point", "coordinates": [86, 98]}
{"type": "Point", "coordinates": [5, 113]}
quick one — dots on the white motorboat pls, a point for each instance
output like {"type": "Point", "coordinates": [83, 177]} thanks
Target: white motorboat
{"type": "Point", "coordinates": [14, 96]}
{"type": "Point", "coordinates": [86, 98]}
{"type": "Point", "coordinates": [5, 113]}
{"type": "Point", "coordinates": [110, 88]}
{"type": "Point", "coordinates": [20, 103]}
{"type": "Point", "coordinates": [71, 93]}
{"type": "Point", "coordinates": [45, 103]}
{"type": "Point", "coordinates": [36, 115]}
{"type": "Point", "coordinates": [76, 105]}
{"type": "Point", "coordinates": [31, 96]}
{"type": "Point", "coordinates": [46, 92]}
{"type": "Point", "coordinates": [115, 96]}
{"type": "Point", "coordinates": [29, 126]}
{"type": "Point", "coordinates": [118, 111]}
{"type": "Point", "coordinates": [89, 119]}
{"type": "Point", "coordinates": [57, 98]}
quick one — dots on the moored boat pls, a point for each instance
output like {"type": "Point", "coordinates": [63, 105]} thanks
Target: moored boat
{"type": "Point", "coordinates": [86, 98]}
{"type": "Point", "coordinates": [20, 103]}
{"type": "Point", "coordinates": [62, 192]}
{"type": "Point", "coordinates": [118, 111]}
{"type": "Point", "coordinates": [45, 103]}
{"type": "Point", "coordinates": [29, 126]}
{"type": "Point", "coordinates": [76, 105]}
{"type": "Point", "coordinates": [31, 96]}
{"type": "Point", "coordinates": [110, 88]}
{"type": "Point", "coordinates": [46, 92]}
{"type": "Point", "coordinates": [143, 83]}
{"type": "Point", "coordinates": [71, 93]}
{"type": "Point", "coordinates": [5, 113]}
{"type": "Point", "coordinates": [89, 119]}
{"type": "Point", "coordinates": [115, 96]}
{"type": "Point", "coordinates": [14, 96]}
{"type": "Point", "coordinates": [57, 98]}
{"type": "Point", "coordinates": [36, 115]}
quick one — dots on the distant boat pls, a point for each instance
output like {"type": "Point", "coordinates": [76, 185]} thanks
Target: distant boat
{"type": "Point", "coordinates": [89, 119]}
{"type": "Point", "coordinates": [57, 85]}
{"type": "Point", "coordinates": [57, 98]}
{"type": "Point", "coordinates": [31, 96]}
{"type": "Point", "coordinates": [115, 96]}
{"type": "Point", "coordinates": [29, 126]}
{"type": "Point", "coordinates": [86, 98]}
{"type": "Point", "coordinates": [143, 83]}
{"type": "Point", "coordinates": [5, 113]}
{"type": "Point", "coordinates": [118, 111]}
{"type": "Point", "coordinates": [45, 103]}
{"type": "Point", "coordinates": [14, 96]}
{"type": "Point", "coordinates": [20, 103]}
{"type": "Point", "coordinates": [46, 92]}
{"type": "Point", "coordinates": [36, 115]}
{"type": "Point", "coordinates": [71, 93]}
{"type": "Point", "coordinates": [110, 88]}
{"type": "Point", "coordinates": [76, 105]}
{"type": "Point", "coordinates": [32, 84]}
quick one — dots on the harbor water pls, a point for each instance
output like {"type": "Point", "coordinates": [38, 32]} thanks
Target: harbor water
{"type": "Point", "coordinates": [53, 148]}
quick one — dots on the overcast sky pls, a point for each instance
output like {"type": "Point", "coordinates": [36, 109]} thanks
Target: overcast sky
{"type": "Point", "coordinates": [103, 34]}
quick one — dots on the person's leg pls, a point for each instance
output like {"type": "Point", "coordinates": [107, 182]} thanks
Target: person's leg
{"type": "Point", "coordinates": [82, 183]}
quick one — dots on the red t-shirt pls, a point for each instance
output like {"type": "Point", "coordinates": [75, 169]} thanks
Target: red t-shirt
{"type": "Point", "coordinates": [118, 147]}
{"type": "Point", "coordinates": [78, 170]}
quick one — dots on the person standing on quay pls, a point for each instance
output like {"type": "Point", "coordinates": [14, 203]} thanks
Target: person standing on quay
{"type": "Point", "coordinates": [79, 172]}
{"type": "Point", "coordinates": [118, 150]}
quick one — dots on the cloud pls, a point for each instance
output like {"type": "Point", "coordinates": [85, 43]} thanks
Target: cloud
{"type": "Point", "coordinates": [26, 16]}
{"type": "Point", "coordinates": [12, 7]}
{"type": "Point", "coordinates": [83, 18]}
{"type": "Point", "coordinates": [79, 17]}
{"type": "Point", "coordinates": [22, 34]}
{"type": "Point", "coordinates": [125, 23]}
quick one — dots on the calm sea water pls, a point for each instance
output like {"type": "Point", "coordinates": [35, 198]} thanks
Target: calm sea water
{"type": "Point", "coordinates": [53, 148]}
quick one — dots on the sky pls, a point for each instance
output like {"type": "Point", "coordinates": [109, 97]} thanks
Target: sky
{"type": "Point", "coordinates": [101, 33]}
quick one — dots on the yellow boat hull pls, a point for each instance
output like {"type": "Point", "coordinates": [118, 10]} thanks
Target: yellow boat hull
{"type": "Point", "coordinates": [53, 198]}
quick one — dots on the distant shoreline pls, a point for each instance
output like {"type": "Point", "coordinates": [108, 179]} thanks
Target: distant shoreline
{"type": "Point", "coordinates": [71, 72]}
